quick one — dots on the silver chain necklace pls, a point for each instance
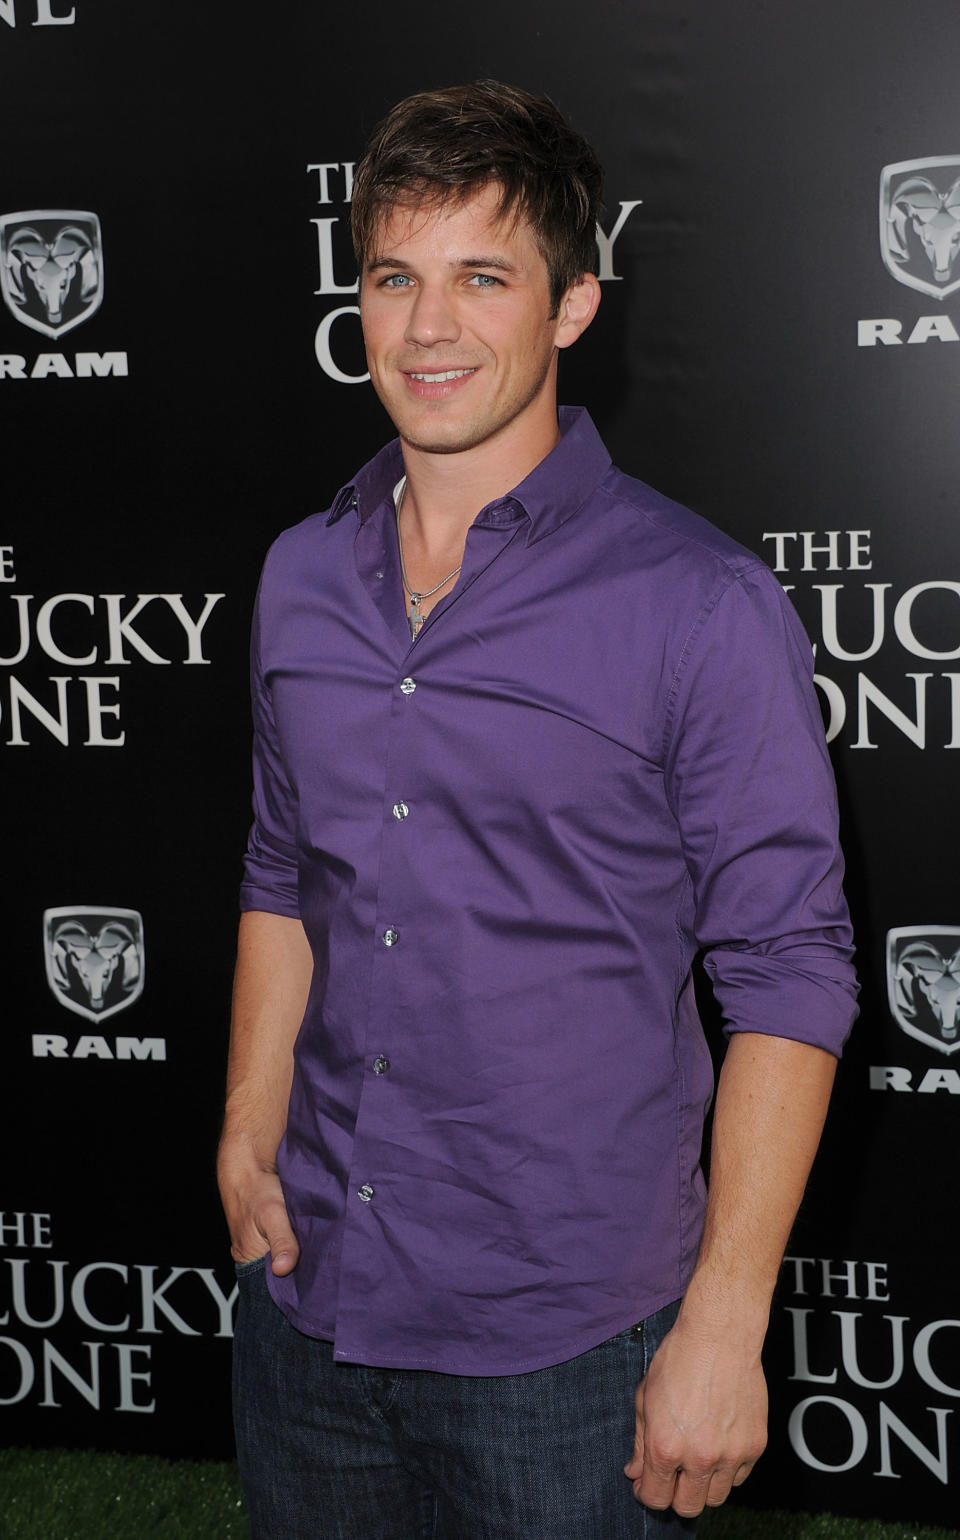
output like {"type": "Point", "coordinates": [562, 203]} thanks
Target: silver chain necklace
{"type": "Point", "coordinates": [416, 597]}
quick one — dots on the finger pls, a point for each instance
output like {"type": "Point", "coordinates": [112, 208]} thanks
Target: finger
{"type": "Point", "coordinates": [690, 1494]}
{"type": "Point", "coordinates": [656, 1489]}
{"type": "Point", "coordinates": [719, 1488]}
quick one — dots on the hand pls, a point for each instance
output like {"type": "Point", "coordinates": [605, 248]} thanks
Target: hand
{"type": "Point", "coordinates": [701, 1422]}
{"type": "Point", "coordinates": [256, 1213]}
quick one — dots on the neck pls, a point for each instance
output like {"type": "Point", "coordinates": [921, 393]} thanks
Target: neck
{"type": "Point", "coordinates": [445, 492]}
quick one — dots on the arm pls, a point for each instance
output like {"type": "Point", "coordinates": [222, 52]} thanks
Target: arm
{"type": "Point", "coordinates": [701, 1410]}
{"type": "Point", "coordinates": [274, 968]}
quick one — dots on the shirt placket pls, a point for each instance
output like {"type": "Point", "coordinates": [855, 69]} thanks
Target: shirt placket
{"type": "Point", "coordinates": [389, 1052]}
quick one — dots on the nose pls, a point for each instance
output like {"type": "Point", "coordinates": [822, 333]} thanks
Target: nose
{"type": "Point", "coordinates": [432, 317]}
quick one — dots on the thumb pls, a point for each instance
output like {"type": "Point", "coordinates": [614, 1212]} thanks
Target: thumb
{"type": "Point", "coordinates": [634, 1466]}
{"type": "Point", "coordinates": [277, 1231]}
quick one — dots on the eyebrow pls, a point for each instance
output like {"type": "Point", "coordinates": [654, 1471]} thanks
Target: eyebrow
{"type": "Point", "coordinates": [500, 264]}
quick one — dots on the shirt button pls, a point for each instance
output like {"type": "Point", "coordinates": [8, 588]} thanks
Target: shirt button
{"type": "Point", "coordinates": [400, 810]}
{"type": "Point", "coordinates": [407, 686]}
{"type": "Point", "coordinates": [365, 1193]}
{"type": "Point", "coordinates": [391, 937]}
{"type": "Point", "coordinates": [380, 1065]}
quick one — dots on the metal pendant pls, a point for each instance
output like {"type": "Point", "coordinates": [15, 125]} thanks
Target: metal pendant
{"type": "Point", "coordinates": [416, 619]}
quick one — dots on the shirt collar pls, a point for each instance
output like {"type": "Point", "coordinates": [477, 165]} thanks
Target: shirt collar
{"type": "Point", "coordinates": [554, 490]}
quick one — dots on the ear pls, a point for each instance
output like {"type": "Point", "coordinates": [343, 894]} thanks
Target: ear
{"type": "Point", "coordinates": [577, 309]}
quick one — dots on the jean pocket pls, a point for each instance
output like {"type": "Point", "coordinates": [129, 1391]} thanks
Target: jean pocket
{"type": "Point", "coordinates": [244, 1269]}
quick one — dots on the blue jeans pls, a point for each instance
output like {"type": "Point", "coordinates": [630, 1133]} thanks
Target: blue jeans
{"type": "Point", "coordinates": [333, 1451]}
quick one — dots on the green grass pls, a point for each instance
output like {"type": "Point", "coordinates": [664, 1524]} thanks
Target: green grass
{"type": "Point", "coordinates": [55, 1494]}
{"type": "Point", "coordinates": [743, 1524]}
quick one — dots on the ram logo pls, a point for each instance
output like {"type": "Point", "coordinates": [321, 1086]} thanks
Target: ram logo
{"type": "Point", "coordinates": [94, 957]}
{"type": "Point", "coordinates": [920, 223]}
{"type": "Point", "coordinates": [923, 983]}
{"type": "Point", "coordinates": [51, 268]}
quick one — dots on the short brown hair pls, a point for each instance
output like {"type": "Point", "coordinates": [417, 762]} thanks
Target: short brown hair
{"type": "Point", "coordinates": [440, 146]}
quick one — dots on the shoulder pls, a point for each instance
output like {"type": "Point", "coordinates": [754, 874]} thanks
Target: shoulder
{"type": "Point", "coordinates": [669, 532]}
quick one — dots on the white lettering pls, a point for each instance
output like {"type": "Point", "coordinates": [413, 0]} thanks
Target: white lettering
{"type": "Point", "coordinates": [45, 635]}
{"type": "Point", "coordinates": [939, 326]}
{"type": "Point", "coordinates": [52, 1359]}
{"type": "Point", "coordinates": [328, 282]}
{"type": "Point", "coordinates": [13, 366]}
{"type": "Point", "coordinates": [801, 1357]}
{"type": "Point", "coordinates": [58, 726]}
{"type": "Point", "coordinates": [22, 601]}
{"type": "Point", "coordinates": [940, 1080]}
{"type": "Point", "coordinates": [193, 629]}
{"type": "Point", "coordinates": [92, 1044]}
{"type": "Point", "coordinates": [857, 547]}
{"type": "Point", "coordinates": [322, 348]}
{"type": "Point", "coordinates": [141, 1048]}
{"type": "Point", "coordinates": [98, 708]}
{"type": "Point", "coordinates": [27, 1373]}
{"type": "Point", "coordinates": [858, 1433]}
{"type": "Point", "coordinates": [119, 627]}
{"type": "Point", "coordinates": [7, 574]}
{"type": "Point", "coordinates": [46, 17]}
{"type": "Point", "coordinates": [848, 1279]}
{"type": "Point", "coordinates": [889, 1423]}
{"type": "Point", "coordinates": [798, 1264]}
{"type": "Point", "coordinates": [954, 740]}
{"type": "Point", "coordinates": [606, 242]}
{"type": "Point", "coordinates": [223, 1302]}
{"type": "Point", "coordinates": [890, 1077]}
{"type": "Point", "coordinates": [848, 1349]}
{"type": "Point", "coordinates": [48, 1045]}
{"type": "Point", "coordinates": [921, 1357]}
{"type": "Point", "coordinates": [128, 1374]}
{"type": "Point", "coordinates": [831, 549]}
{"type": "Point", "coordinates": [155, 1298]}
{"type": "Point", "coordinates": [876, 1276]}
{"type": "Point", "coordinates": [18, 1293]}
{"type": "Point", "coordinates": [903, 621]}
{"type": "Point", "coordinates": [828, 611]}
{"type": "Point", "coordinates": [869, 333]}
{"type": "Point", "coordinates": [781, 538]}
{"type": "Point", "coordinates": [51, 363]}
{"type": "Point", "coordinates": [837, 706]}
{"type": "Point", "coordinates": [857, 537]}
{"type": "Point", "coordinates": [334, 165]}
{"type": "Point", "coordinates": [101, 364]}
{"type": "Point", "coordinates": [915, 729]}
{"type": "Point", "coordinates": [17, 1226]}
{"type": "Point", "coordinates": [78, 1296]}
{"type": "Point", "coordinates": [877, 1283]}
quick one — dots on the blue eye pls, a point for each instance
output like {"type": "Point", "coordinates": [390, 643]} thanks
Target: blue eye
{"type": "Point", "coordinates": [485, 280]}
{"type": "Point", "coordinates": [397, 281]}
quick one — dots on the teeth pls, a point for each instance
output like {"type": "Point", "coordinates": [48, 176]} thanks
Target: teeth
{"type": "Point", "coordinates": [437, 379]}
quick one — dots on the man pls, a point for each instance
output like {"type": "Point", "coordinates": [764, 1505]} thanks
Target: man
{"type": "Point", "coordinates": [528, 737]}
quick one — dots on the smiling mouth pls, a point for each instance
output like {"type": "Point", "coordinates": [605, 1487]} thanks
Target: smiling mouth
{"type": "Point", "coordinates": [438, 377]}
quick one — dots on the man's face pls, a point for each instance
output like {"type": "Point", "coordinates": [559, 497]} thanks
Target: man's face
{"type": "Point", "coordinates": [461, 346]}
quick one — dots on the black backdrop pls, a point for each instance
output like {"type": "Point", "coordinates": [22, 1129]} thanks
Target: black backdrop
{"type": "Point", "coordinates": [765, 352]}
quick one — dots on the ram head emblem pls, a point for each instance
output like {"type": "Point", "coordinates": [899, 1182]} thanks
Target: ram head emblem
{"type": "Point", "coordinates": [51, 268]}
{"type": "Point", "coordinates": [95, 958]}
{"type": "Point", "coordinates": [923, 983]}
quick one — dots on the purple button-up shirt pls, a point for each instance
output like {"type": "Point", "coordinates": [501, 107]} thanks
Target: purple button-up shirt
{"type": "Point", "coordinates": [506, 842]}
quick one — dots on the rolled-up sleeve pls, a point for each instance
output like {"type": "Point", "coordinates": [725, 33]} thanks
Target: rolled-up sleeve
{"type": "Point", "coordinates": [752, 788]}
{"type": "Point", "coordinates": [270, 879]}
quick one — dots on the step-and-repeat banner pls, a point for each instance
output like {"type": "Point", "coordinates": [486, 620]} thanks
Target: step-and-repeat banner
{"type": "Point", "coordinates": [181, 376]}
